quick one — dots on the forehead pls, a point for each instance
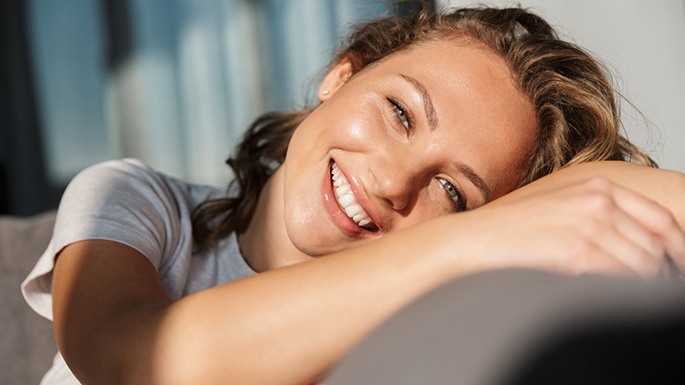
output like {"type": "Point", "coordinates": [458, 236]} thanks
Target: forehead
{"type": "Point", "coordinates": [483, 114]}
{"type": "Point", "coordinates": [463, 63]}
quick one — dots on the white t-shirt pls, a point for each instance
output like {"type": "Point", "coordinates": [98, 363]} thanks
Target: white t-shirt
{"type": "Point", "coordinates": [127, 202]}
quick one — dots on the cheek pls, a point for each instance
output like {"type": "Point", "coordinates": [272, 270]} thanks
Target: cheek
{"type": "Point", "coordinates": [357, 131]}
{"type": "Point", "coordinates": [429, 204]}
{"type": "Point", "coordinates": [354, 123]}
{"type": "Point", "coordinates": [301, 219]}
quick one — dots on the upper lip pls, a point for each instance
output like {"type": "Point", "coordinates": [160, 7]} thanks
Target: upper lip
{"type": "Point", "coordinates": [361, 198]}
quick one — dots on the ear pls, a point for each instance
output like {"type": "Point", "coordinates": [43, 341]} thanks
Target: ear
{"type": "Point", "coordinates": [335, 78]}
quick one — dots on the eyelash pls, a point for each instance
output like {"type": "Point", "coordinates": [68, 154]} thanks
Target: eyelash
{"type": "Point", "coordinates": [401, 114]}
{"type": "Point", "coordinates": [456, 197]}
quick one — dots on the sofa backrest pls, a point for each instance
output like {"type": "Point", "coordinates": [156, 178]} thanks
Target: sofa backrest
{"type": "Point", "coordinates": [26, 339]}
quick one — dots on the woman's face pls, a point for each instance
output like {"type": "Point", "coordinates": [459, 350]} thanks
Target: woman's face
{"type": "Point", "coordinates": [436, 129]}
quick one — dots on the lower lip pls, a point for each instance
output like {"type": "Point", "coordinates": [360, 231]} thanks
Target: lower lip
{"type": "Point", "coordinates": [340, 219]}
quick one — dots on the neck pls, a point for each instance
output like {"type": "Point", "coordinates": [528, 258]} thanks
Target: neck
{"type": "Point", "coordinates": [265, 243]}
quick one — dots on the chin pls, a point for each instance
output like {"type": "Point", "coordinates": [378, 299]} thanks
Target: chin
{"type": "Point", "coordinates": [312, 247]}
{"type": "Point", "coordinates": [319, 242]}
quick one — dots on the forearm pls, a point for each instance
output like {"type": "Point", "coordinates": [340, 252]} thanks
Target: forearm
{"type": "Point", "coordinates": [663, 186]}
{"type": "Point", "coordinates": [288, 326]}
{"type": "Point", "coordinates": [285, 326]}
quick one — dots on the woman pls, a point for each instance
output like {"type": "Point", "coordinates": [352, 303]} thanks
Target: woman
{"type": "Point", "coordinates": [348, 211]}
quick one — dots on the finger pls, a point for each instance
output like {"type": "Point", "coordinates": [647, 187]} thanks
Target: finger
{"type": "Point", "coordinates": [657, 219]}
{"type": "Point", "coordinates": [594, 257]}
{"type": "Point", "coordinates": [616, 232]}
{"type": "Point", "coordinates": [624, 239]}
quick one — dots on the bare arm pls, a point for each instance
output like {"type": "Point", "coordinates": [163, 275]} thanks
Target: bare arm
{"type": "Point", "coordinates": [285, 326]}
{"type": "Point", "coordinates": [666, 187]}
{"type": "Point", "coordinates": [646, 198]}
{"type": "Point", "coordinates": [107, 305]}
{"type": "Point", "coordinates": [288, 326]}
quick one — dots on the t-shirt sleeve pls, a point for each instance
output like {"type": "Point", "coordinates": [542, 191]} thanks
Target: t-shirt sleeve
{"type": "Point", "coordinates": [122, 201]}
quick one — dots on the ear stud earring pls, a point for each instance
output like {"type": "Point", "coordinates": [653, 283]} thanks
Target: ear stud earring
{"type": "Point", "coordinates": [324, 92]}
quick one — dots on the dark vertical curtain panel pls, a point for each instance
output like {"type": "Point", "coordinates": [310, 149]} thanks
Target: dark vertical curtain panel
{"type": "Point", "coordinates": [24, 189]}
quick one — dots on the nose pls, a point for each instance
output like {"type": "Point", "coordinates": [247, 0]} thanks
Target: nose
{"type": "Point", "coordinates": [396, 180]}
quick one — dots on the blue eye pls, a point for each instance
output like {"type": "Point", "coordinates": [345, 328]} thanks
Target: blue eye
{"type": "Point", "coordinates": [454, 195]}
{"type": "Point", "coordinates": [400, 114]}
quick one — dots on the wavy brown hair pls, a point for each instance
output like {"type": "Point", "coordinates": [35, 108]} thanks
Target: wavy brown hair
{"type": "Point", "coordinates": [573, 95]}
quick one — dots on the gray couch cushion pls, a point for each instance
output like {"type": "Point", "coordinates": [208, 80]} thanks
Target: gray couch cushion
{"type": "Point", "coordinates": [528, 327]}
{"type": "Point", "coordinates": [27, 343]}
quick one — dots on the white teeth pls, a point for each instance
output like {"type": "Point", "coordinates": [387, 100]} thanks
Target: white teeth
{"type": "Point", "coordinates": [342, 190]}
{"type": "Point", "coordinates": [346, 198]}
{"type": "Point", "coordinates": [353, 209]}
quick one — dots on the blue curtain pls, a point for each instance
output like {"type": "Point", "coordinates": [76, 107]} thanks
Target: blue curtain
{"type": "Point", "coordinates": [192, 74]}
{"type": "Point", "coordinates": [67, 49]}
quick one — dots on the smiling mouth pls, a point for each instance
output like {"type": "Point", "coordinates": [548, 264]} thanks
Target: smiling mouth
{"type": "Point", "coordinates": [348, 201]}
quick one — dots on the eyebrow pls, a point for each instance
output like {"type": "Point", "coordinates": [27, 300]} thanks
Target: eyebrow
{"type": "Point", "coordinates": [476, 180]}
{"type": "Point", "coordinates": [428, 108]}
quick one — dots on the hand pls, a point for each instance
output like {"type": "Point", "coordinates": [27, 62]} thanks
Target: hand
{"type": "Point", "coordinates": [592, 226]}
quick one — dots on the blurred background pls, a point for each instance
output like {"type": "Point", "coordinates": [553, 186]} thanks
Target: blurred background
{"type": "Point", "coordinates": [175, 82]}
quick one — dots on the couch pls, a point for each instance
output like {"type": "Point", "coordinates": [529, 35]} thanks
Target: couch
{"type": "Point", "coordinates": [525, 327]}
{"type": "Point", "coordinates": [27, 344]}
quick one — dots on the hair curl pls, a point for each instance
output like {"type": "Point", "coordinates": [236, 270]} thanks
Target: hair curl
{"type": "Point", "coordinates": [573, 96]}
